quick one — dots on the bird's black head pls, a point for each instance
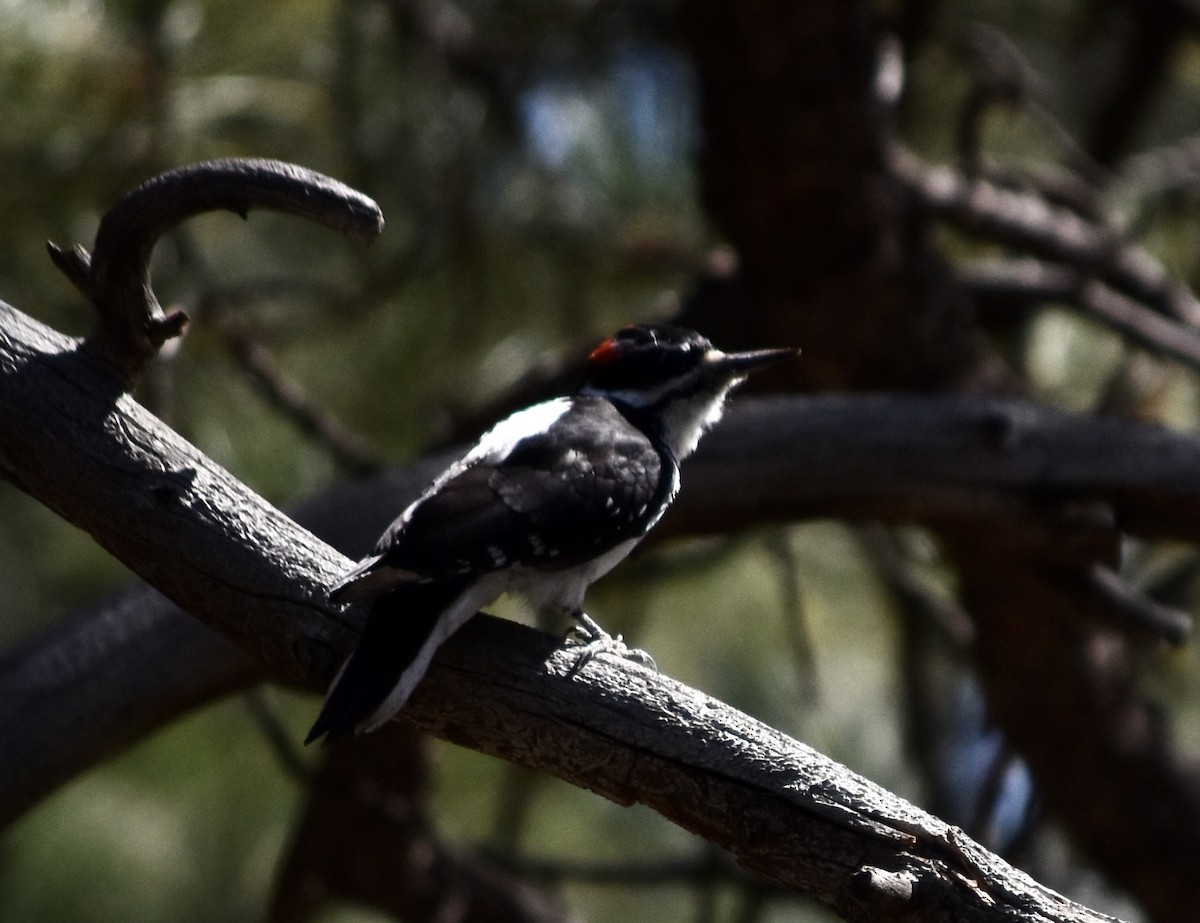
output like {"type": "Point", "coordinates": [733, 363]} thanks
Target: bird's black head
{"type": "Point", "coordinates": [669, 381]}
{"type": "Point", "coordinates": [644, 357]}
{"type": "Point", "coordinates": [657, 359]}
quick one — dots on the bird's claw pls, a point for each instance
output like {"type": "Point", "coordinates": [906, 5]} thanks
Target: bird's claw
{"type": "Point", "coordinates": [591, 640]}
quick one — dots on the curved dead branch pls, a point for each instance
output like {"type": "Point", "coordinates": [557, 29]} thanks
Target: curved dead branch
{"type": "Point", "coordinates": [115, 277]}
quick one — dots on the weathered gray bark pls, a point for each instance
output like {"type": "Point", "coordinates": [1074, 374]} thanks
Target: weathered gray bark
{"type": "Point", "coordinates": [111, 675]}
{"type": "Point", "coordinates": [71, 438]}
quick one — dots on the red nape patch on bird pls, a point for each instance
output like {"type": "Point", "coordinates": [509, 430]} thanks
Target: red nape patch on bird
{"type": "Point", "coordinates": [604, 353]}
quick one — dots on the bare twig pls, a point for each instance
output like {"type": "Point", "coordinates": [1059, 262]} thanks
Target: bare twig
{"type": "Point", "coordinates": [1027, 221]}
{"type": "Point", "coordinates": [999, 75]}
{"type": "Point", "coordinates": [797, 623]}
{"type": "Point", "coordinates": [1152, 331]}
{"type": "Point", "coordinates": [279, 740]}
{"type": "Point", "coordinates": [1024, 282]}
{"type": "Point", "coordinates": [1163, 171]}
{"type": "Point", "coordinates": [116, 277]}
{"type": "Point", "coordinates": [1133, 610]}
{"type": "Point", "coordinates": [952, 623]}
{"type": "Point", "coordinates": [350, 452]}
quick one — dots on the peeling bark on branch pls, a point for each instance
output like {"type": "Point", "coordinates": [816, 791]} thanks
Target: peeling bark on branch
{"type": "Point", "coordinates": [70, 437]}
{"type": "Point", "coordinates": [785, 811]}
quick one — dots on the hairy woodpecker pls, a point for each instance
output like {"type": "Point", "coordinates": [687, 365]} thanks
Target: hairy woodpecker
{"type": "Point", "coordinates": [547, 501]}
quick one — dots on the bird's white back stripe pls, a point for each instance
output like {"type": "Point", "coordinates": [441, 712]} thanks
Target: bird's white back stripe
{"type": "Point", "coordinates": [498, 442]}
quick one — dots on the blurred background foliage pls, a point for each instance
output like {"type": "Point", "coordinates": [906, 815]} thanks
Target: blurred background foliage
{"type": "Point", "coordinates": [535, 162]}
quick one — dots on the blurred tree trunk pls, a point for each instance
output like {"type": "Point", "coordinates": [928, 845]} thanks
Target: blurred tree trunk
{"type": "Point", "coordinates": [833, 258]}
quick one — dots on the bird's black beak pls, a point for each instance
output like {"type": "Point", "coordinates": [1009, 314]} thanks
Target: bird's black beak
{"type": "Point", "coordinates": [739, 365]}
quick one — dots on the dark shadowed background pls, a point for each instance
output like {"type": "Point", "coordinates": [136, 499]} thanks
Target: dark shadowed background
{"type": "Point", "coordinates": [932, 198]}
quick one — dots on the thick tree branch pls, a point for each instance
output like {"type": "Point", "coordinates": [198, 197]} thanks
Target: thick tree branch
{"type": "Point", "coordinates": [289, 398]}
{"type": "Point", "coordinates": [110, 675]}
{"type": "Point", "coordinates": [785, 811]}
{"type": "Point", "coordinates": [890, 458]}
{"type": "Point", "coordinates": [71, 438]}
{"type": "Point", "coordinates": [219, 550]}
{"type": "Point", "coordinates": [100, 681]}
{"type": "Point", "coordinates": [936, 459]}
{"type": "Point", "coordinates": [705, 766]}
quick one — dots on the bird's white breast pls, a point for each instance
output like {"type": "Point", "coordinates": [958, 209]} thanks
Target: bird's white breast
{"type": "Point", "coordinates": [564, 589]}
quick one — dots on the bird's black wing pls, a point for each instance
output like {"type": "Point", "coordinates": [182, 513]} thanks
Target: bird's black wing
{"type": "Point", "coordinates": [573, 508]}
{"type": "Point", "coordinates": [555, 499]}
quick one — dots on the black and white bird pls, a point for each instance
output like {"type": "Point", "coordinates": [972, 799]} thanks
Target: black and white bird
{"type": "Point", "coordinates": [547, 501]}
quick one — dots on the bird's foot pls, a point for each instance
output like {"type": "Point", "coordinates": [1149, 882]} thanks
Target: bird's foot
{"type": "Point", "coordinates": [591, 640]}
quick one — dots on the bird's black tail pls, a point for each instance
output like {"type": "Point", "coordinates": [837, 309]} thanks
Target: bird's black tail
{"type": "Point", "coordinates": [398, 625]}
